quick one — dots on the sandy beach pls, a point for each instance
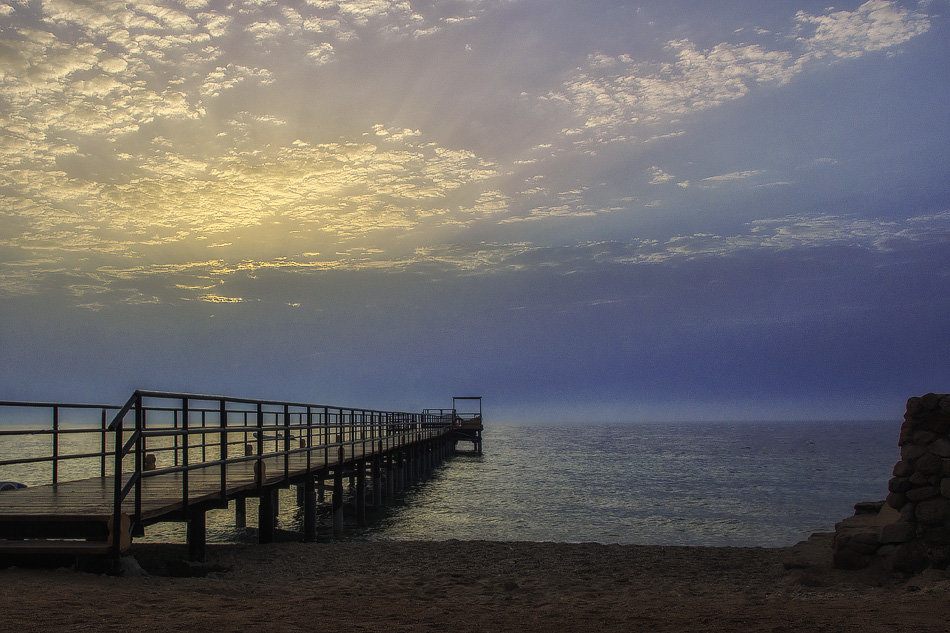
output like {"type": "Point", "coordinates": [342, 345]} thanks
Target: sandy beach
{"type": "Point", "coordinates": [476, 586]}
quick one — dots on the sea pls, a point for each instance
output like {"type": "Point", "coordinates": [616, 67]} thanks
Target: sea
{"type": "Point", "coordinates": [768, 484]}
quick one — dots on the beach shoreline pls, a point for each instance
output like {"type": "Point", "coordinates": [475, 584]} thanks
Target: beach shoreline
{"type": "Point", "coordinates": [476, 586]}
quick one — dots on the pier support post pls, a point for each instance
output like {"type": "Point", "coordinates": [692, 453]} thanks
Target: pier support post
{"type": "Point", "coordinates": [390, 476]}
{"type": "Point", "coordinates": [197, 535]}
{"type": "Point", "coordinates": [300, 495]}
{"type": "Point", "coordinates": [338, 496]}
{"type": "Point", "coordinates": [400, 466]}
{"type": "Point", "coordinates": [377, 481]}
{"type": "Point", "coordinates": [265, 518]}
{"type": "Point", "coordinates": [309, 511]}
{"type": "Point", "coordinates": [321, 493]}
{"type": "Point", "coordinates": [240, 512]}
{"type": "Point", "coordinates": [361, 493]}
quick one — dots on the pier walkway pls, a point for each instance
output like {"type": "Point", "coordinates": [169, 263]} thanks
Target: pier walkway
{"type": "Point", "coordinates": [171, 457]}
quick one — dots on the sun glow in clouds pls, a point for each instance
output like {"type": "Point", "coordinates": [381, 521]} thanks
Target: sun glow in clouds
{"type": "Point", "coordinates": [140, 137]}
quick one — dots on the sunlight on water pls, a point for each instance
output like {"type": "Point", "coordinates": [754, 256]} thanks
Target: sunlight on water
{"type": "Point", "coordinates": [677, 484]}
{"type": "Point", "coordinates": [682, 484]}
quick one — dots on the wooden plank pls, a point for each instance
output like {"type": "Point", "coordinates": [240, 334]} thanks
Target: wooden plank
{"type": "Point", "coordinates": [77, 548]}
{"type": "Point", "coordinates": [91, 499]}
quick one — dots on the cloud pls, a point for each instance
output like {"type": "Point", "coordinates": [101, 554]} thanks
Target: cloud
{"type": "Point", "coordinates": [611, 94]}
{"type": "Point", "coordinates": [209, 280]}
{"type": "Point", "coordinates": [209, 298]}
{"type": "Point", "coordinates": [658, 176]}
{"type": "Point", "coordinates": [875, 25]}
{"type": "Point", "coordinates": [325, 193]}
{"type": "Point", "coordinates": [736, 175]}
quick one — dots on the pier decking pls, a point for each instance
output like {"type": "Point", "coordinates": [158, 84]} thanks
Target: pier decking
{"type": "Point", "coordinates": [171, 457]}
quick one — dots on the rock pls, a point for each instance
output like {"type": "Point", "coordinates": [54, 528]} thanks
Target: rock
{"type": "Point", "coordinates": [908, 558]}
{"type": "Point", "coordinates": [909, 512]}
{"type": "Point", "coordinates": [922, 493]}
{"type": "Point", "coordinates": [899, 484]}
{"type": "Point", "coordinates": [940, 448]}
{"type": "Point", "coordinates": [933, 511]}
{"type": "Point", "coordinates": [929, 465]}
{"type": "Point", "coordinates": [923, 438]}
{"type": "Point", "coordinates": [914, 406]}
{"type": "Point", "coordinates": [907, 432]}
{"type": "Point", "coordinates": [847, 559]}
{"type": "Point", "coordinates": [896, 500]}
{"type": "Point", "coordinates": [920, 479]}
{"type": "Point", "coordinates": [934, 575]}
{"type": "Point", "coordinates": [899, 532]}
{"type": "Point", "coordinates": [887, 514]}
{"type": "Point", "coordinates": [945, 471]}
{"type": "Point", "coordinates": [945, 404]}
{"type": "Point", "coordinates": [868, 507]}
{"type": "Point", "coordinates": [939, 556]}
{"type": "Point", "coordinates": [864, 542]}
{"type": "Point", "coordinates": [903, 469]}
{"type": "Point", "coordinates": [910, 452]}
{"type": "Point", "coordinates": [930, 401]}
{"type": "Point", "coordinates": [810, 553]}
{"type": "Point", "coordinates": [129, 567]}
{"type": "Point", "coordinates": [945, 487]}
{"type": "Point", "coordinates": [941, 425]}
{"type": "Point", "coordinates": [936, 536]}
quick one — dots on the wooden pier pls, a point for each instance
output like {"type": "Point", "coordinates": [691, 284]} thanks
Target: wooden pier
{"type": "Point", "coordinates": [172, 457]}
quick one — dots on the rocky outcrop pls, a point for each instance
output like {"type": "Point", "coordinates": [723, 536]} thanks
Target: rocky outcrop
{"type": "Point", "coordinates": [910, 529]}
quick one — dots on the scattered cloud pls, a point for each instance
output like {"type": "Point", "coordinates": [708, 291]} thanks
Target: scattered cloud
{"type": "Point", "coordinates": [220, 299]}
{"type": "Point", "coordinates": [658, 176]}
{"type": "Point", "coordinates": [736, 175]}
{"type": "Point", "coordinates": [193, 280]}
{"type": "Point", "coordinates": [613, 94]}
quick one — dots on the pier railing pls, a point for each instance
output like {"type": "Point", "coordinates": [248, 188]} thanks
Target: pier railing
{"type": "Point", "coordinates": [159, 433]}
{"type": "Point", "coordinates": [20, 421]}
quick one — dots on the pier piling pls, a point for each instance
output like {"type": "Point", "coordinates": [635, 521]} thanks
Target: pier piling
{"type": "Point", "coordinates": [240, 512]}
{"type": "Point", "coordinates": [361, 493]}
{"type": "Point", "coordinates": [196, 535]}
{"type": "Point", "coordinates": [309, 511]}
{"type": "Point", "coordinates": [284, 444]}
{"type": "Point", "coordinates": [338, 497]}
{"type": "Point", "coordinates": [266, 517]}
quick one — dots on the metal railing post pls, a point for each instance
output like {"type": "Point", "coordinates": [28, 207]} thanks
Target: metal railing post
{"type": "Point", "coordinates": [102, 446]}
{"type": "Point", "coordinates": [223, 441]}
{"type": "Point", "coordinates": [139, 454]}
{"type": "Point", "coordinates": [117, 489]}
{"type": "Point", "coordinates": [309, 438]}
{"type": "Point", "coordinates": [55, 445]}
{"type": "Point", "coordinates": [286, 442]}
{"type": "Point", "coordinates": [185, 444]}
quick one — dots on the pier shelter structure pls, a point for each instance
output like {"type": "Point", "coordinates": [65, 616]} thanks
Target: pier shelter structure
{"type": "Point", "coordinates": [173, 456]}
{"type": "Point", "coordinates": [466, 414]}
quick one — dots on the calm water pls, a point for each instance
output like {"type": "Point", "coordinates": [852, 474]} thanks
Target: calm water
{"type": "Point", "coordinates": [677, 484]}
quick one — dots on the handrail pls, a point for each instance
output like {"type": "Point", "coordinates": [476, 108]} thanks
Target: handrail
{"type": "Point", "coordinates": [267, 428]}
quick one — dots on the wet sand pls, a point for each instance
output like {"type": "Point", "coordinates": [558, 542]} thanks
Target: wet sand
{"type": "Point", "coordinates": [476, 586]}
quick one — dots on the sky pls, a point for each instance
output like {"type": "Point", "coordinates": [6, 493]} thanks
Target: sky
{"type": "Point", "coordinates": [582, 211]}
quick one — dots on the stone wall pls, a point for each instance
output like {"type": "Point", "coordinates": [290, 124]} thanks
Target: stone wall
{"type": "Point", "coordinates": [910, 529]}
